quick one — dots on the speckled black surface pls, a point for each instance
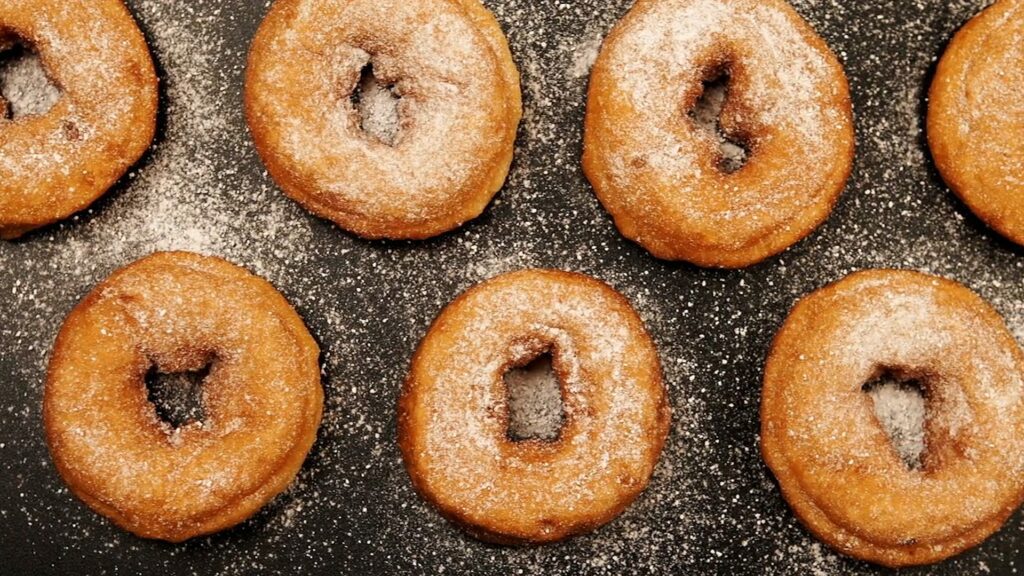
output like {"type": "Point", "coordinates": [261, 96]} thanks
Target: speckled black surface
{"type": "Point", "coordinates": [712, 506]}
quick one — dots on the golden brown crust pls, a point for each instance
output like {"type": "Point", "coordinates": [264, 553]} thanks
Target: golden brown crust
{"type": "Point", "coordinates": [976, 114]}
{"type": "Point", "coordinates": [460, 109]}
{"type": "Point", "coordinates": [55, 164]}
{"type": "Point", "coordinates": [262, 399]}
{"type": "Point", "coordinates": [616, 412]}
{"type": "Point", "coordinates": [835, 464]}
{"type": "Point", "coordinates": [659, 176]}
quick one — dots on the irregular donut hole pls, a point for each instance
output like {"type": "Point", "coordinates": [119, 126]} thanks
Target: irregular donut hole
{"type": "Point", "coordinates": [25, 88]}
{"type": "Point", "coordinates": [901, 407]}
{"type": "Point", "coordinates": [177, 396]}
{"type": "Point", "coordinates": [376, 102]}
{"type": "Point", "coordinates": [733, 151]}
{"type": "Point", "coordinates": [533, 395]}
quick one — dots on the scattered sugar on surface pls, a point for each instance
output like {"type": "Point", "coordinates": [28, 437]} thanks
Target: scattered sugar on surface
{"type": "Point", "coordinates": [585, 54]}
{"type": "Point", "coordinates": [712, 506]}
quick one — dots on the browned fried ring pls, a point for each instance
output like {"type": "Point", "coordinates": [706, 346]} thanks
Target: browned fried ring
{"type": "Point", "coordinates": [449, 62]}
{"type": "Point", "coordinates": [262, 400]}
{"type": "Point", "coordinates": [55, 164]}
{"type": "Point", "coordinates": [834, 462]}
{"type": "Point", "coordinates": [453, 417]}
{"type": "Point", "coordinates": [976, 117]}
{"type": "Point", "coordinates": [659, 175]}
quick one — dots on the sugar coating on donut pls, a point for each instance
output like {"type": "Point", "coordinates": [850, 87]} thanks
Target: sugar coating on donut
{"type": "Point", "coordinates": [828, 442]}
{"type": "Point", "coordinates": [661, 175]}
{"type": "Point", "coordinates": [670, 34]}
{"type": "Point", "coordinates": [261, 398]}
{"type": "Point", "coordinates": [57, 163]}
{"type": "Point", "coordinates": [614, 413]}
{"type": "Point", "coordinates": [459, 106]}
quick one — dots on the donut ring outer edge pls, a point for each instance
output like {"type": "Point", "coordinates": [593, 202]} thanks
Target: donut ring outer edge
{"type": "Point", "coordinates": [704, 248]}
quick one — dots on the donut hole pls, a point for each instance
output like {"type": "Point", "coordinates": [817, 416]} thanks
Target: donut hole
{"type": "Point", "coordinates": [25, 88]}
{"type": "Point", "coordinates": [376, 103]}
{"type": "Point", "coordinates": [177, 396]}
{"type": "Point", "coordinates": [901, 408]}
{"type": "Point", "coordinates": [533, 395]}
{"type": "Point", "coordinates": [706, 114]}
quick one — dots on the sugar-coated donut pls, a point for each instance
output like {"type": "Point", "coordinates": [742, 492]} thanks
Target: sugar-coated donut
{"type": "Point", "coordinates": [833, 460]}
{"type": "Point", "coordinates": [976, 117]}
{"type": "Point", "coordinates": [453, 416]}
{"type": "Point", "coordinates": [55, 164]}
{"type": "Point", "coordinates": [460, 106]}
{"type": "Point", "coordinates": [658, 174]}
{"type": "Point", "coordinates": [262, 400]}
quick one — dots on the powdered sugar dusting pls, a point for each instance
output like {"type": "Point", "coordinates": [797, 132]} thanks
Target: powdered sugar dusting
{"type": "Point", "coordinates": [457, 114]}
{"type": "Point", "coordinates": [712, 506]}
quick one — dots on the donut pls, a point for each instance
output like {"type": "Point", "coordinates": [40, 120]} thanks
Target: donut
{"type": "Point", "coordinates": [57, 163]}
{"type": "Point", "coordinates": [661, 175]}
{"type": "Point", "coordinates": [976, 114]}
{"type": "Point", "coordinates": [453, 423]}
{"type": "Point", "coordinates": [834, 462]}
{"type": "Point", "coordinates": [459, 108]}
{"type": "Point", "coordinates": [177, 312]}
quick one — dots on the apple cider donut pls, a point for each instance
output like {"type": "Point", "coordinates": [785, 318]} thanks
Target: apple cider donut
{"type": "Point", "coordinates": [661, 175]}
{"type": "Point", "coordinates": [57, 163]}
{"type": "Point", "coordinates": [835, 463]}
{"type": "Point", "coordinates": [262, 401]}
{"type": "Point", "coordinates": [454, 419]}
{"type": "Point", "coordinates": [976, 116]}
{"type": "Point", "coordinates": [459, 108]}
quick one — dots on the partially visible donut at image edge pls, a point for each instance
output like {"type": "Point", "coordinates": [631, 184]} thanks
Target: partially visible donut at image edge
{"type": "Point", "coordinates": [453, 417]}
{"type": "Point", "coordinates": [834, 461]}
{"type": "Point", "coordinates": [976, 117]}
{"type": "Point", "coordinates": [57, 163]}
{"type": "Point", "coordinates": [662, 175]}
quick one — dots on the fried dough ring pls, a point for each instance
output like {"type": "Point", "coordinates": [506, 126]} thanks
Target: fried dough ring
{"type": "Point", "coordinates": [453, 417]}
{"type": "Point", "coordinates": [976, 117]}
{"type": "Point", "coordinates": [834, 462]}
{"type": "Point", "coordinates": [55, 164]}
{"type": "Point", "coordinates": [460, 107]}
{"type": "Point", "coordinates": [658, 174]}
{"type": "Point", "coordinates": [176, 312]}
